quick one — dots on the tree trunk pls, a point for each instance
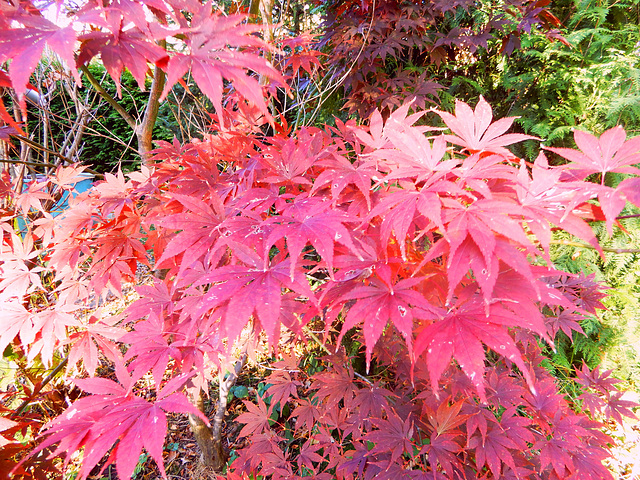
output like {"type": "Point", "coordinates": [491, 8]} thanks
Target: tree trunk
{"type": "Point", "coordinates": [209, 439]}
{"type": "Point", "coordinates": [211, 452]}
{"type": "Point", "coordinates": [144, 131]}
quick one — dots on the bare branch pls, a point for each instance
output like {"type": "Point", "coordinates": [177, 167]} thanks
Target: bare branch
{"type": "Point", "coordinates": [110, 100]}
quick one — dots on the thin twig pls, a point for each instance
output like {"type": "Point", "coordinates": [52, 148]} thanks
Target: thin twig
{"type": "Point", "coordinates": [591, 247]}
{"type": "Point", "coordinates": [44, 149]}
{"type": "Point", "coordinates": [324, 347]}
{"type": "Point", "coordinates": [30, 164]}
{"type": "Point", "coordinates": [40, 385]}
{"type": "Point", "coordinates": [622, 217]}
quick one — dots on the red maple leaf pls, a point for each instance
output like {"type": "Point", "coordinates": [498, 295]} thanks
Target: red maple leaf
{"type": "Point", "coordinates": [594, 379]}
{"type": "Point", "coordinates": [256, 420]}
{"type": "Point", "coordinates": [476, 238]}
{"type": "Point", "coordinates": [84, 344]}
{"type": "Point", "coordinates": [121, 48]}
{"type": "Point", "coordinates": [282, 388]}
{"type": "Point", "coordinates": [555, 452]}
{"type": "Point", "coordinates": [354, 460]}
{"type": "Point", "coordinates": [393, 435]}
{"type": "Point", "coordinates": [334, 387]}
{"type": "Point", "coordinates": [503, 389]}
{"type": "Point", "coordinates": [474, 131]}
{"type": "Point", "coordinates": [110, 413]}
{"type": "Point", "coordinates": [245, 290]}
{"type": "Point", "coordinates": [24, 45]}
{"type": "Point", "coordinates": [493, 449]}
{"type": "Point", "coordinates": [371, 401]}
{"type": "Point", "coordinates": [385, 299]}
{"type": "Point", "coordinates": [306, 60]}
{"type": "Point", "coordinates": [339, 173]}
{"type": "Point", "coordinates": [306, 415]}
{"type": "Point", "coordinates": [15, 319]}
{"type": "Point", "coordinates": [308, 455]}
{"type": "Point", "coordinates": [214, 43]}
{"type": "Point", "coordinates": [198, 223]}
{"type": "Point", "coordinates": [113, 193]}
{"type": "Point", "coordinates": [49, 329]}
{"type": "Point", "coordinates": [502, 441]}
{"type": "Point", "coordinates": [414, 155]}
{"type": "Point", "coordinates": [565, 321]}
{"type": "Point", "coordinates": [461, 335]}
{"type": "Point", "coordinates": [616, 407]}
{"type": "Point", "coordinates": [443, 450]}
{"type": "Point", "coordinates": [149, 349]}
{"type": "Point", "coordinates": [155, 300]}
{"type": "Point", "coordinates": [311, 220]}
{"type": "Point", "coordinates": [609, 153]}
{"type": "Point", "coordinates": [630, 187]}
{"type": "Point", "coordinates": [302, 55]}
{"type": "Point", "coordinates": [399, 208]}
{"type": "Point", "coordinates": [32, 197]}
{"type": "Point", "coordinates": [115, 258]}
{"type": "Point", "coordinates": [547, 198]}
{"type": "Point", "coordinates": [289, 162]}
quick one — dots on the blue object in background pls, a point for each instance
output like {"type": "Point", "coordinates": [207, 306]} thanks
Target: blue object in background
{"type": "Point", "coordinates": [82, 185]}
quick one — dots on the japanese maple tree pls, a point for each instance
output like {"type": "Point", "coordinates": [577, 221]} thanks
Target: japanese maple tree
{"type": "Point", "coordinates": [386, 51]}
{"type": "Point", "coordinates": [428, 249]}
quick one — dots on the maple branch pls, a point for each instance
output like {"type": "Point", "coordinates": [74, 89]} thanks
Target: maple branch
{"type": "Point", "coordinates": [331, 88]}
{"type": "Point", "coordinates": [203, 434]}
{"type": "Point", "coordinates": [209, 439]}
{"type": "Point", "coordinates": [622, 217]}
{"type": "Point", "coordinates": [584, 245]}
{"type": "Point", "coordinates": [40, 385]}
{"type": "Point", "coordinates": [40, 147]}
{"type": "Point", "coordinates": [224, 387]}
{"type": "Point", "coordinates": [30, 164]}
{"type": "Point", "coordinates": [145, 129]}
{"type": "Point", "coordinates": [110, 100]}
{"type": "Point", "coordinates": [62, 123]}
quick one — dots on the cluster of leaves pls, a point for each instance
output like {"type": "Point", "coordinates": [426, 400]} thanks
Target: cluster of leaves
{"type": "Point", "coordinates": [386, 51]}
{"type": "Point", "coordinates": [127, 37]}
{"type": "Point", "coordinates": [387, 426]}
{"type": "Point", "coordinates": [30, 396]}
{"type": "Point", "coordinates": [423, 247]}
{"type": "Point", "coordinates": [611, 339]}
{"type": "Point", "coordinates": [556, 75]}
{"type": "Point", "coordinates": [431, 248]}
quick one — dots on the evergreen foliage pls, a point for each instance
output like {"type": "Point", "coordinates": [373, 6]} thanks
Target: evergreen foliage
{"type": "Point", "coordinates": [593, 84]}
